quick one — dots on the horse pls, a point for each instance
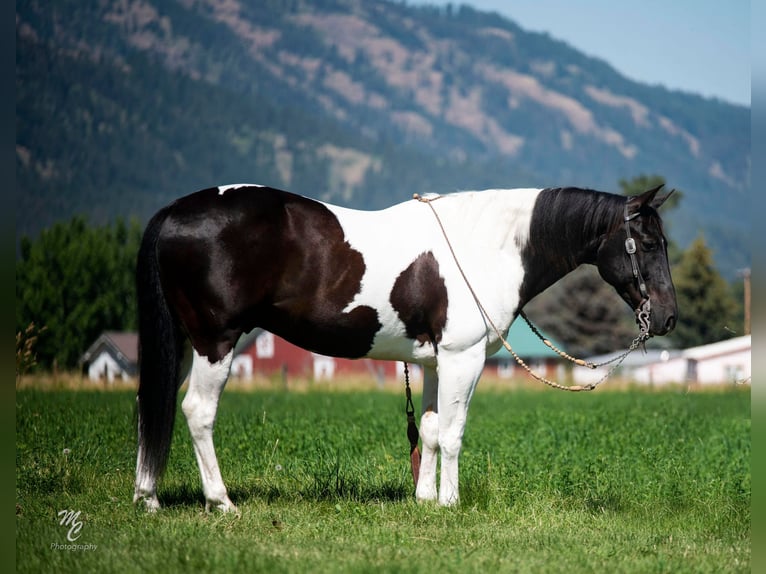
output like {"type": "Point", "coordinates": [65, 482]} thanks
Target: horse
{"type": "Point", "coordinates": [390, 284]}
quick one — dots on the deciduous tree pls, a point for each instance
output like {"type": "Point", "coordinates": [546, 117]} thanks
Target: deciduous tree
{"type": "Point", "coordinates": [75, 281]}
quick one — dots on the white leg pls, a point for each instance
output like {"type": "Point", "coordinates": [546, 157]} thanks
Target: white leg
{"type": "Point", "coordinates": [458, 375]}
{"type": "Point", "coordinates": [429, 436]}
{"type": "Point", "coordinates": [146, 482]}
{"type": "Point", "coordinates": [200, 405]}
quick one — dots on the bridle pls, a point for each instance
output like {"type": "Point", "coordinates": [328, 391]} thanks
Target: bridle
{"type": "Point", "coordinates": [644, 307]}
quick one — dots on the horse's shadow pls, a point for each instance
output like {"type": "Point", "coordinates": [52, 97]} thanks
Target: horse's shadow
{"type": "Point", "coordinates": [185, 496]}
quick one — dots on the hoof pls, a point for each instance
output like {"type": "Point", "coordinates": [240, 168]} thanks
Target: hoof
{"type": "Point", "coordinates": [151, 504]}
{"type": "Point", "coordinates": [426, 494]}
{"type": "Point", "coordinates": [449, 501]}
{"type": "Point", "coordinates": [226, 506]}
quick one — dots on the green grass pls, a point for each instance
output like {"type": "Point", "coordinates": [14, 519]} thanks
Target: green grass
{"type": "Point", "coordinates": [629, 481]}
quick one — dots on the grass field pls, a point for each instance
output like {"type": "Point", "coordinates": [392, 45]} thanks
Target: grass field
{"type": "Point", "coordinates": [629, 481]}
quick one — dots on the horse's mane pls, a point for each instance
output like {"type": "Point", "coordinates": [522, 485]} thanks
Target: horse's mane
{"type": "Point", "coordinates": [568, 219]}
{"type": "Point", "coordinates": [566, 228]}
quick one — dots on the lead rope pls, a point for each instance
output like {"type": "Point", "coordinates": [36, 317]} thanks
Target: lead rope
{"type": "Point", "coordinates": [412, 429]}
{"type": "Point", "coordinates": [642, 316]}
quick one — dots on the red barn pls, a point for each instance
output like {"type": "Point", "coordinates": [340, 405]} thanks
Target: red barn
{"type": "Point", "coordinates": [260, 353]}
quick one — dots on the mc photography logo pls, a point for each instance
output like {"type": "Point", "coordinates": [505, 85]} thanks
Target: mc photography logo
{"type": "Point", "coordinates": [71, 521]}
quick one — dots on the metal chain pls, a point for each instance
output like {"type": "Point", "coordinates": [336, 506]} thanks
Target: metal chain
{"type": "Point", "coordinates": [642, 318]}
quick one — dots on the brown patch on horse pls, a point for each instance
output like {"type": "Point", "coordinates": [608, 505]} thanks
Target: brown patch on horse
{"type": "Point", "coordinates": [262, 257]}
{"type": "Point", "coordinates": [419, 297]}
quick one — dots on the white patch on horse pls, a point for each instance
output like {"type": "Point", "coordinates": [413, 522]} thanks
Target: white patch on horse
{"type": "Point", "coordinates": [487, 230]}
{"type": "Point", "coordinates": [224, 188]}
{"type": "Point", "coordinates": [523, 209]}
{"type": "Point", "coordinates": [200, 405]}
{"type": "Point", "coordinates": [389, 240]}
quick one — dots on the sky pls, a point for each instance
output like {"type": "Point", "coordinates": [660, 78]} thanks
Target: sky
{"type": "Point", "coordinates": [698, 46]}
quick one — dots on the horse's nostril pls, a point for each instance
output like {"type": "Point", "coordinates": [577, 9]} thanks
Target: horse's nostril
{"type": "Point", "coordinates": [670, 323]}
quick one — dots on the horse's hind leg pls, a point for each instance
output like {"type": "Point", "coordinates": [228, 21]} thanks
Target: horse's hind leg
{"type": "Point", "coordinates": [200, 405]}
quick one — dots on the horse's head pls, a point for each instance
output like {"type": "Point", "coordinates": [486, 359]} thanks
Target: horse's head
{"type": "Point", "coordinates": [634, 260]}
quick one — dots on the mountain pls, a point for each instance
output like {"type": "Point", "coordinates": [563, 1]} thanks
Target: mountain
{"type": "Point", "coordinates": [123, 105]}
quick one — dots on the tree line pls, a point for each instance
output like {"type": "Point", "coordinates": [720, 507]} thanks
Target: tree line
{"type": "Point", "coordinates": [76, 280]}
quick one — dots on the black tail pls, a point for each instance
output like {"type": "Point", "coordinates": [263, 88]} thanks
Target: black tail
{"type": "Point", "coordinates": [160, 344]}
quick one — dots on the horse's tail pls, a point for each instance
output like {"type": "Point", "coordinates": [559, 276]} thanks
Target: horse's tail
{"type": "Point", "coordinates": [161, 345]}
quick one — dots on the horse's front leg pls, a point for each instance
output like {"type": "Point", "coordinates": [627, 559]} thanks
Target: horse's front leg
{"type": "Point", "coordinates": [458, 375]}
{"type": "Point", "coordinates": [200, 406]}
{"type": "Point", "coordinates": [429, 436]}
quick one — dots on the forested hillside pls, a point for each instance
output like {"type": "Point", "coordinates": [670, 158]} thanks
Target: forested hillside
{"type": "Point", "coordinates": [123, 105]}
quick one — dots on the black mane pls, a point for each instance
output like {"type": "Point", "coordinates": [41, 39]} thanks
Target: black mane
{"type": "Point", "coordinates": [565, 230]}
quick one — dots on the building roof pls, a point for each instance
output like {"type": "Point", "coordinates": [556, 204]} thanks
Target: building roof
{"type": "Point", "coordinates": [526, 344]}
{"type": "Point", "coordinates": [123, 344]}
{"type": "Point", "coordinates": [641, 358]}
{"type": "Point", "coordinates": [246, 340]}
{"type": "Point", "coordinates": [725, 347]}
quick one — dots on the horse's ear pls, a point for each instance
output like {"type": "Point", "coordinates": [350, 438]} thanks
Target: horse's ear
{"type": "Point", "coordinates": [658, 201]}
{"type": "Point", "coordinates": [636, 202]}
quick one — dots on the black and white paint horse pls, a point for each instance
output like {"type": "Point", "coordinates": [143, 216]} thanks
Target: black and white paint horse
{"type": "Point", "coordinates": [217, 263]}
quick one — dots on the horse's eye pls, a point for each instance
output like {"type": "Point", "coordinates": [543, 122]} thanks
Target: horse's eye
{"type": "Point", "coordinates": [648, 245]}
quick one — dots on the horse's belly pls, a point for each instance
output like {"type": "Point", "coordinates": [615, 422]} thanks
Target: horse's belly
{"type": "Point", "coordinates": [349, 335]}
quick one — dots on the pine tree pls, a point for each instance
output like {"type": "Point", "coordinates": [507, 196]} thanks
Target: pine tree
{"type": "Point", "coordinates": [706, 307]}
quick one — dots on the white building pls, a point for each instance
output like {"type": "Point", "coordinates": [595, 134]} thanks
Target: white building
{"type": "Point", "coordinates": [113, 355]}
{"type": "Point", "coordinates": [717, 363]}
